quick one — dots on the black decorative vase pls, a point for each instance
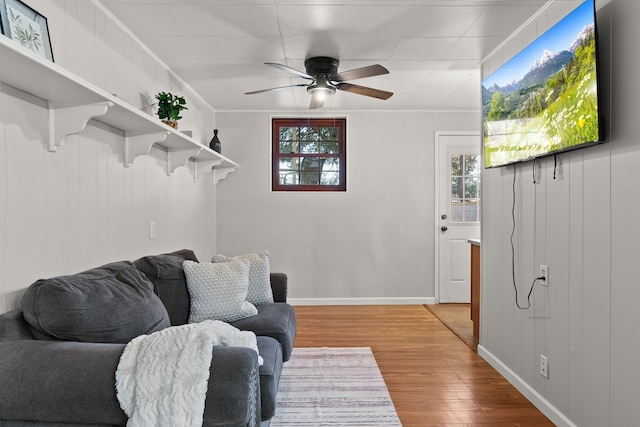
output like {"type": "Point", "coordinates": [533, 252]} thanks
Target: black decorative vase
{"type": "Point", "coordinates": [215, 143]}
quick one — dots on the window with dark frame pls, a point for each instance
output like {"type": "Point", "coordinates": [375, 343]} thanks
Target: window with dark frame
{"type": "Point", "coordinates": [309, 154]}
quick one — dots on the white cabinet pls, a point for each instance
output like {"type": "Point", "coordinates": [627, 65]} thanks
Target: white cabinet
{"type": "Point", "coordinates": [73, 102]}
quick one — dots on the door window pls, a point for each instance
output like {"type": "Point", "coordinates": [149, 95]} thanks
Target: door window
{"type": "Point", "coordinates": [465, 188]}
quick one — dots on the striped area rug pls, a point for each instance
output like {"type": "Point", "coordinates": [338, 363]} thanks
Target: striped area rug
{"type": "Point", "coordinates": [333, 387]}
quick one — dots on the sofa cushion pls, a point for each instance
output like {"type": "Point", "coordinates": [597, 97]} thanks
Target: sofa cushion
{"type": "Point", "coordinates": [277, 320]}
{"type": "Point", "coordinates": [166, 273]}
{"type": "Point", "coordinates": [218, 291]}
{"type": "Point", "coordinates": [259, 281]}
{"type": "Point", "coordinates": [110, 304]}
{"type": "Point", "coordinates": [13, 327]}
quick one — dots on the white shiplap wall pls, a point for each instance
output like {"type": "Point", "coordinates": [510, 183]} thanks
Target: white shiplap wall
{"type": "Point", "coordinates": [80, 207]}
{"type": "Point", "coordinates": [584, 226]}
{"type": "Point", "coordinates": [371, 244]}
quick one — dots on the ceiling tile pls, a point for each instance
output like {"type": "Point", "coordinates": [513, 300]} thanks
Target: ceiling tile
{"type": "Point", "coordinates": [238, 20]}
{"type": "Point", "coordinates": [368, 48]}
{"type": "Point", "coordinates": [420, 48]}
{"type": "Point", "coordinates": [302, 47]}
{"type": "Point", "coordinates": [310, 21]}
{"type": "Point", "coordinates": [443, 21]}
{"type": "Point", "coordinates": [261, 49]}
{"type": "Point", "coordinates": [378, 21]}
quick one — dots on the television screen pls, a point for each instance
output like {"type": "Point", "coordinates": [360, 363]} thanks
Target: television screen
{"type": "Point", "coordinates": [544, 100]}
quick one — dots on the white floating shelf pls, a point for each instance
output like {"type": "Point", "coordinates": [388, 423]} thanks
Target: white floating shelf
{"type": "Point", "coordinates": [74, 101]}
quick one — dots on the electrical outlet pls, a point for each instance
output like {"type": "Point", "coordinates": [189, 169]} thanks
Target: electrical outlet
{"type": "Point", "coordinates": [544, 366]}
{"type": "Point", "coordinates": [152, 230]}
{"type": "Point", "coordinates": [544, 272]}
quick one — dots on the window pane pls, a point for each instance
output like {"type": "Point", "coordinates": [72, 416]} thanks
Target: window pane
{"type": "Point", "coordinates": [457, 210]}
{"type": "Point", "coordinates": [471, 188]}
{"type": "Point", "coordinates": [307, 133]}
{"type": "Point", "coordinates": [286, 163]}
{"type": "Point", "coordinates": [286, 140]}
{"type": "Point", "coordinates": [330, 178]}
{"type": "Point", "coordinates": [286, 146]}
{"type": "Point", "coordinates": [471, 210]}
{"type": "Point", "coordinates": [457, 187]}
{"type": "Point", "coordinates": [288, 177]}
{"type": "Point", "coordinates": [311, 170]}
{"type": "Point", "coordinates": [329, 147]}
{"type": "Point", "coordinates": [330, 171]}
{"type": "Point", "coordinates": [471, 165]}
{"type": "Point", "coordinates": [456, 164]}
{"type": "Point", "coordinates": [329, 142]}
{"type": "Point", "coordinates": [287, 171]}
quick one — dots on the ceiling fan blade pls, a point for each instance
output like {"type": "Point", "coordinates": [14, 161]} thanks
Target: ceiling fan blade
{"type": "Point", "coordinates": [316, 102]}
{"type": "Point", "coordinates": [290, 70]}
{"type": "Point", "coordinates": [363, 90]}
{"type": "Point", "coordinates": [360, 73]}
{"type": "Point", "coordinates": [274, 88]}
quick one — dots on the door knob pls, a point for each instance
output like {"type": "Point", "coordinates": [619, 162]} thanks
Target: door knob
{"type": "Point", "coordinates": [443, 216]}
{"type": "Point", "coordinates": [444, 228]}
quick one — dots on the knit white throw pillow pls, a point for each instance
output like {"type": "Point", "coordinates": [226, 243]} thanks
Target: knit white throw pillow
{"type": "Point", "coordinates": [259, 276]}
{"type": "Point", "coordinates": [218, 291]}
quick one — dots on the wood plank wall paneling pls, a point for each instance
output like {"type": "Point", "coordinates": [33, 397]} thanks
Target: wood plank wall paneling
{"type": "Point", "coordinates": [374, 241]}
{"type": "Point", "coordinates": [80, 207]}
{"type": "Point", "coordinates": [434, 379]}
{"type": "Point", "coordinates": [584, 226]}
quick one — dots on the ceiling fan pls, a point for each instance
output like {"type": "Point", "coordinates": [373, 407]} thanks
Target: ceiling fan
{"type": "Point", "coordinates": [325, 79]}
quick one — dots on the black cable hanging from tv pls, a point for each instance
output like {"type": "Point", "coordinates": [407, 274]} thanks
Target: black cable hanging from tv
{"type": "Point", "coordinates": [513, 249]}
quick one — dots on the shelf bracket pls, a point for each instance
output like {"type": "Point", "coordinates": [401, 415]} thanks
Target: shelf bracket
{"type": "Point", "coordinates": [204, 167]}
{"type": "Point", "coordinates": [177, 158]}
{"type": "Point", "coordinates": [138, 145]}
{"type": "Point", "coordinates": [72, 121]}
{"type": "Point", "coordinates": [222, 173]}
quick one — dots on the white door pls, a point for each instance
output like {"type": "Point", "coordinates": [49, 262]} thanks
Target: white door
{"type": "Point", "coordinates": [457, 212]}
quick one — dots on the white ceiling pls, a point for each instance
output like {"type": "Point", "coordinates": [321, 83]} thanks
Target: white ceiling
{"type": "Point", "coordinates": [432, 48]}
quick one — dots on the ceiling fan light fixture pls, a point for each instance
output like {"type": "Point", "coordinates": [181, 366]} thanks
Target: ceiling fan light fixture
{"type": "Point", "coordinates": [321, 92]}
{"type": "Point", "coordinates": [321, 88]}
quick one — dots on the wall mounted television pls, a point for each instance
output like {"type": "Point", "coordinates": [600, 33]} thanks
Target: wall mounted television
{"type": "Point", "coordinates": [544, 100]}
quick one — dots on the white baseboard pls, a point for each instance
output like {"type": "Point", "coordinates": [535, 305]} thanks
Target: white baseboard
{"type": "Point", "coordinates": [553, 413]}
{"type": "Point", "coordinates": [361, 301]}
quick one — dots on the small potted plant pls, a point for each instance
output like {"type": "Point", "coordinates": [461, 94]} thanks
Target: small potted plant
{"type": "Point", "coordinates": [169, 108]}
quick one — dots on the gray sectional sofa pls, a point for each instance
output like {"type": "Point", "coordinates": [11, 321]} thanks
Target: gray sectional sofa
{"type": "Point", "coordinates": [59, 371]}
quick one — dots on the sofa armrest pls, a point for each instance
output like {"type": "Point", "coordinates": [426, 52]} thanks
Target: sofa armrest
{"type": "Point", "coordinates": [59, 382]}
{"type": "Point", "coordinates": [233, 394]}
{"type": "Point", "coordinates": [279, 287]}
{"type": "Point", "coordinates": [51, 382]}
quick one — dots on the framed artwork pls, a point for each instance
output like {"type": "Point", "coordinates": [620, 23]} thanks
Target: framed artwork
{"type": "Point", "coordinates": [26, 27]}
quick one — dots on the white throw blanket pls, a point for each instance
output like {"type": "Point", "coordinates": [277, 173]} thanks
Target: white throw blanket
{"type": "Point", "coordinates": [162, 378]}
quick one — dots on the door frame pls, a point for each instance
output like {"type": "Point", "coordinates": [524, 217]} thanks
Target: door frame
{"type": "Point", "coordinates": [436, 215]}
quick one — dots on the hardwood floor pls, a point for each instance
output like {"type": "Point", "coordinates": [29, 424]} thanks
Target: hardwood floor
{"type": "Point", "coordinates": [456, 317]}
{"type": "Point", "coordinates": [434, 378]}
